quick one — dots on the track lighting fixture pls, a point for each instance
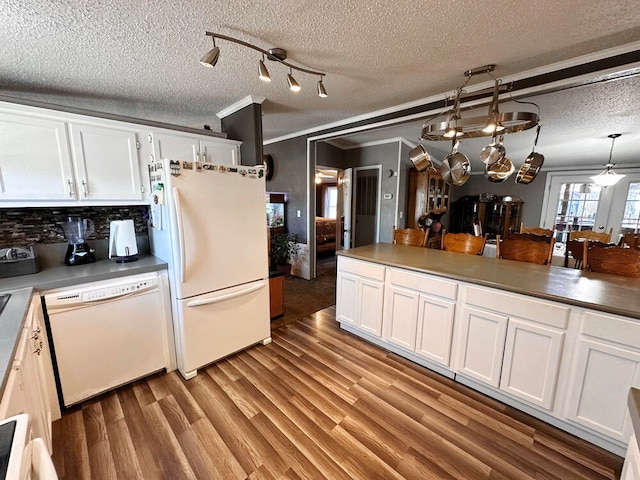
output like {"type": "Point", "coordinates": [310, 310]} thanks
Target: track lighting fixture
{"type": "Point", "coordinates": [263, 72]}
{"type": "Point", "coordinates": [273, 54]}
{"type": "Point", "coordinates": [293, 85]}
{"type": "Point", "coordinates": [608, 177]}
{"type": "Point", "coordinates": [211, 57]}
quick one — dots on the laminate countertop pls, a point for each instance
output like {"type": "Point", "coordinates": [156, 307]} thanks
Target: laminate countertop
{"type": "Point", "coordinates": [21, 288]}
{"type": "Point", "coordinates": [607, 293]}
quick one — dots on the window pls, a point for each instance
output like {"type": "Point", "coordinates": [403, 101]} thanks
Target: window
{"type": "Point", "coordinates": [575, 203]}
{"type": "Point", "coordinates": [631, 215]}
{"type": "Point", "coordinates": [330, 203]}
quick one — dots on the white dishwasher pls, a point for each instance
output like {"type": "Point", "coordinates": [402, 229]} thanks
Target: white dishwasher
{"type": "Point", "coordinates": [105, 334]}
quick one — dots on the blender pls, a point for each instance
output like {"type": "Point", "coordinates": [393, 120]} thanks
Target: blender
{"type": "Point", "coordinates": [77, 230]}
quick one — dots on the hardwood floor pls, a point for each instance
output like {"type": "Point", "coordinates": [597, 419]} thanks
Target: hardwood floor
{"type": "Point", "coordinates": [316, 403]}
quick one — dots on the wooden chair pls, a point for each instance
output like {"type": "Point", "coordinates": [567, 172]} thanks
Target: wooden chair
{"type": "Point", "coordinates": [528, 248]}
{"type": "Point", "coordinates": [410, 236]}
{"type": "Point", "coordinates": [463, 243]}
{"type": "Point", "coordinates": [631, 239]}
{"type": "Point", "coordinates": [612, 260]}
{"type": "Point", "coordinates": [477, 229]}
{"type": "Point", "coordinates": [577, 247]}
{"type": "Point", "coordinates": [536, 230]}
{"type": "Point", "coordinates": [591, 235]}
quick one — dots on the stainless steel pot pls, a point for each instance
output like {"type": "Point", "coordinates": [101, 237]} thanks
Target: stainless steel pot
{"type": "Point", "coordinates": [499, 171]}
{"type": "Point", "coordinates": [420, 158]}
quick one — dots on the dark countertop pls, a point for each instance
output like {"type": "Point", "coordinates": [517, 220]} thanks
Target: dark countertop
{"type": "Point", "coordinates": [596, 291]}
{"type": "Point", "coordinates": [21, 289]}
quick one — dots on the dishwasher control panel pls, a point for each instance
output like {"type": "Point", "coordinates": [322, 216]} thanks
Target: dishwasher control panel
{"type": "Point", "coordinates": [100, 291]}
{"type": "Point", "coordinates": [119, 290]}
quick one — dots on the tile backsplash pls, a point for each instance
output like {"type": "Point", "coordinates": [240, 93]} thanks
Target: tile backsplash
{"type": "Point", "coordinates": [23, 227]}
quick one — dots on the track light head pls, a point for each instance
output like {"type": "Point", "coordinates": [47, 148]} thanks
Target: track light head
{"type": "Point", "coordinates": [322, 92]}
{"type": "Point", "coordinates": [211, 57]}
{"type": "Point", "coordinates": [293, 85]}
{"type": "Point", "coordinates": [264, 73]}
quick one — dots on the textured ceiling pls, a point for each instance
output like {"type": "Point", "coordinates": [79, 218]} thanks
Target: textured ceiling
{"type": "Point", "coordinates": [140, 58]}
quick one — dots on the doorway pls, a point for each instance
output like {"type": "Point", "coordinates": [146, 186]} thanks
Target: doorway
{"type": "Point", "coordinates": [366, 205]}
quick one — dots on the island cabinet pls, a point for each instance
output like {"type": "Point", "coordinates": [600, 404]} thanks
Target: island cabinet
{"type": "Point", "coordinates": [512, 342]}
{"type": "Point", "coordinates": [606, 364]}
{"type": "Point", "coordinates": [418, 314]}
{"type": "Point", "coordinates": [360, 295]}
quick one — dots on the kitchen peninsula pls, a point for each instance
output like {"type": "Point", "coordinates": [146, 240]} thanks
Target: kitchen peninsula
{"type": "Point", "coordinates": [560, 344]}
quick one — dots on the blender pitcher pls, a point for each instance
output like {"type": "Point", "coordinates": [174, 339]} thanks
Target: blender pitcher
{"type": "Point", "coordinates": [77, 230]}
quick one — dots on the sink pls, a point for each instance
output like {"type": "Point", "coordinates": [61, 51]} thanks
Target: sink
{"type": "Point", "coordinates": [3, 301]}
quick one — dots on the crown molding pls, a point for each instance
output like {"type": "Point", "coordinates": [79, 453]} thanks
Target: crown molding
{"type": "Point", "coordinates": [239, 105]}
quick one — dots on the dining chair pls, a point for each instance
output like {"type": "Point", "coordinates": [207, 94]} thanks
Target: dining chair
{"type": "Point", "coordinates": [631, 239]}
{"type": "Point", "coordinates": [525, 247]}
{"type": "Point", "coordinates": [612, 260]}
{"type": "Point", "coordinates": [463, 243]}
{"type": "Point", "coordinates": [477, 229]}
{"type": "Point", "coordinates": [410, 236]}
{"type": "Point", "coordinates": [536, 230]}
{"type": "Point", "coordinates": [591, 235]}
{"type": "Point", "coordinates": [576, 249]}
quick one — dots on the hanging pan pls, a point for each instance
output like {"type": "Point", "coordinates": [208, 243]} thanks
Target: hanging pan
{"type": "Point", "coordinates": [420, 158]}
{"type": "Point", "coordinates": [499, 171]}
{"type": "Point", "coordinates": [493, 153]}
{"type": "Point", "coordinates": [531, 166]}
{"type": "Point", "coordinates": [455, 168]}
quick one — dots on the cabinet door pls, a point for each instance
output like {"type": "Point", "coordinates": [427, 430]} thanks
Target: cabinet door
{"type": "Point", "coordinates": [482, 337]}
{"type": "Point", "coordinates": [220, 153]}
{"type": "Point", "coordinates": [346, 298]}
{"type": "Point", "coordinates": [370, 301]}
{"type": "Point", "coordinates": [35, 160]}
{"type": "Point", "coordinates": [107, 163]}
{"type": "Point", "coordinates": [400, 317]}
{"type": "Point", "coordinates": [531, 362]}
{"type": "Point", "coordinates": [175, 146]}
{"type": "Point", "coordinates": [602, 377]}
{"type": "Point", "coordinates": [435, 329]}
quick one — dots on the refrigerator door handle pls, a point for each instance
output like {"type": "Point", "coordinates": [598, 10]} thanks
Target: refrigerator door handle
{"type": "Point", "coordinates": [181, 246]}
{"type": "Point", "coordinates": [228, 296]}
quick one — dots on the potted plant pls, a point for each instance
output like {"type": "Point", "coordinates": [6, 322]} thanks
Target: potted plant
{"type": "Point", "coordinates": [283, 247]}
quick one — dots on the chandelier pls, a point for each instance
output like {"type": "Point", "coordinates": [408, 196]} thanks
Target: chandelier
{"type": "Point", "coordinates": [274, 54]}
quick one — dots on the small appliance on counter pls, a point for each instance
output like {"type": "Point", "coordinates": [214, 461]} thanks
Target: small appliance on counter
{"type": "Point", "coordinates": [122, 241]}
{"type": "Point", "coordinates": [77, 230]}
{"type": "Point", "coordinates": [16, 261]}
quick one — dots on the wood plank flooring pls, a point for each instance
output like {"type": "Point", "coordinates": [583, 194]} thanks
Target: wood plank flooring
{"type": "Point", "coordinates": [316, 403]}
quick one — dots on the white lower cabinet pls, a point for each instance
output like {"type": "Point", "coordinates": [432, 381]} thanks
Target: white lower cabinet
{"type": "Point", "coordinates": [481, 345]}
{"type": "Point", "coordinates": [29, 382]}
{"type": "Point", "coordinates": [606, 365]}
{"type": "Point", "coordinates": [360, 295]}
{"type": "Point", "coordinates": [419, 313]}
{"type": "Point", "coordinates": [513, 343]}
{"type": "Point", "coordinates": [631, 468]}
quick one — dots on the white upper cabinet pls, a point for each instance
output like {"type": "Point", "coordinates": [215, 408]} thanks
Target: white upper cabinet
{"type": "Point", "coordinates": [35, 160]}
{"type": "Point", "coordinates": [186, 146]}
{"type": "Point", "coordinates": [106, 162]}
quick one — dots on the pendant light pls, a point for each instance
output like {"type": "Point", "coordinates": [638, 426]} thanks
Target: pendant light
{"type": "Point", "coordinates": [453, 130]}
{"type": "Point", "coordinates": [608, 177]}
{"type": "Point", "coordinates": [493, 122]}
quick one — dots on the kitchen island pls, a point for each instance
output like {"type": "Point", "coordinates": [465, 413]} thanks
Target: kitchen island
{"type": "Point", "coordinates": [560, 344]}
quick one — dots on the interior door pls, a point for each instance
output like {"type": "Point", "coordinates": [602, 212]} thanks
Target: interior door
{"type": "Point", "coordinates": [366, 203]}
{"type": "Point", "coordinates": [343, 214]}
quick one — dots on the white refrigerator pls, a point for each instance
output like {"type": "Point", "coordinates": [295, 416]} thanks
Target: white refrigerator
{"type": "Point", "coordinates": [209, 223]}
